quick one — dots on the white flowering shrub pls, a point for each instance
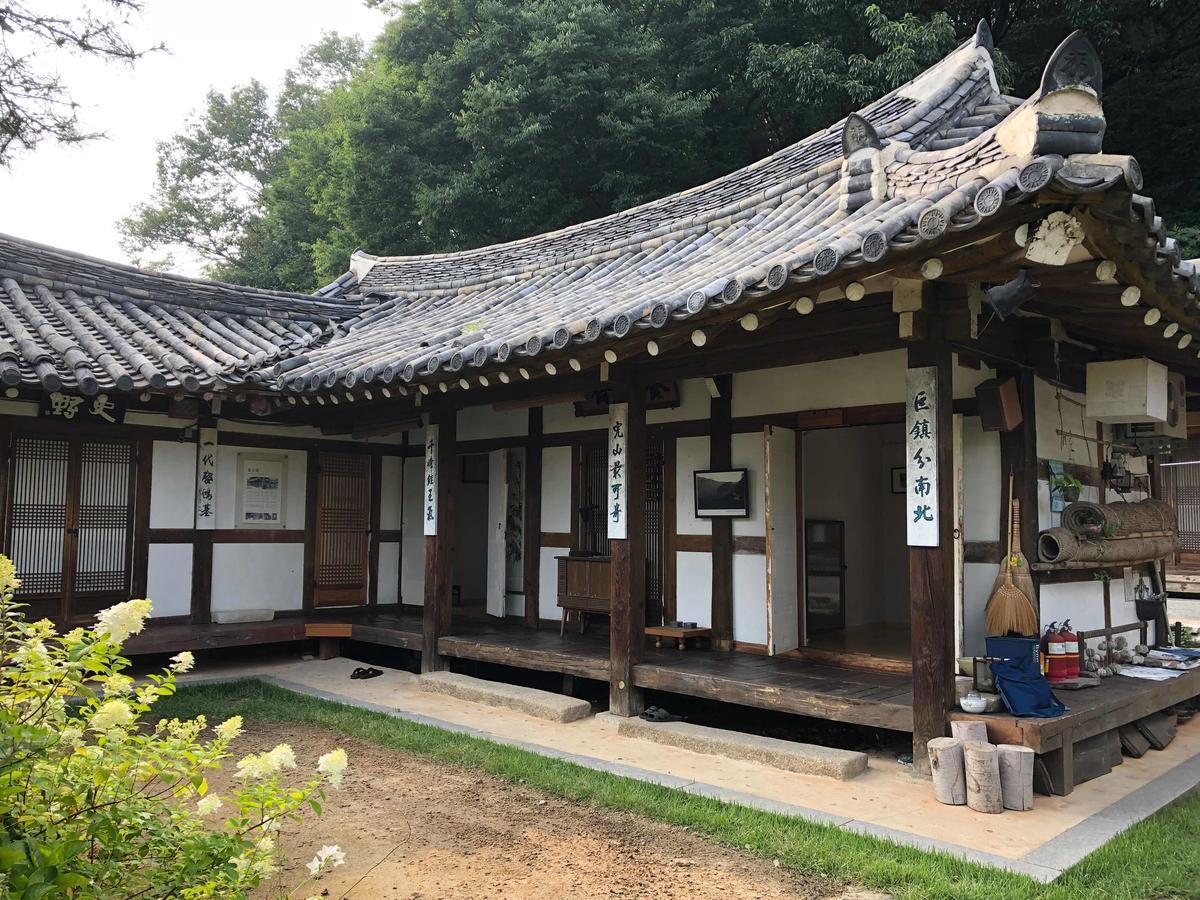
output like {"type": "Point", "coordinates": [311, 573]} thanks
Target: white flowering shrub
{"type": "Point", "coordinates": [97, 799]}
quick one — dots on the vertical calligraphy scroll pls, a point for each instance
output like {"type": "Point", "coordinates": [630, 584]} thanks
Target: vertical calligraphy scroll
{"type": "Point", "coordinates": [431, 479]}
{"type": "Point", "coordinates": [206, 480]}
{"type": "Point", "coordinates": [921, 447]}
{"type": "Point", "coordinates": [618, 431]}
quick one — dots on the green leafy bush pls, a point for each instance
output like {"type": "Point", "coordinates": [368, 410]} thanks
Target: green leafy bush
{"type": "Point", "coordinates": [99, 800]}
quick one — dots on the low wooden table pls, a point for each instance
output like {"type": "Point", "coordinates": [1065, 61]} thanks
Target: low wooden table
{"type": "Point", "coordinates": [679, 634]}
{"type": "Point", "coordinates": [1066, 743]}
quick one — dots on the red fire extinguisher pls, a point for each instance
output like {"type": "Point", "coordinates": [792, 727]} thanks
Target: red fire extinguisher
{"type": "Point", "coordinates": [1056, 653]}
{"type": "Point", "coordinates": [1044, 647]}
{"type": "Point", "coordinates": [1071, 649]}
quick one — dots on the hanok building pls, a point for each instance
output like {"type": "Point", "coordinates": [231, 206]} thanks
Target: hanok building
{"type": "Point", "coordinates": [691, 411]}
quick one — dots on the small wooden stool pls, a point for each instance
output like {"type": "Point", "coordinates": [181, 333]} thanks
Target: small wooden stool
{"type": "Point", "coordinates": [680, 635]}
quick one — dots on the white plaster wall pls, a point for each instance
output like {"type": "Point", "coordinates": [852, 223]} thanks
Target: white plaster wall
{"type": "Point", "coordinates": [559, 417]}
{"type": "Point", "coordinates": [412, 574]}
{"type": "Point", "coordinates": [750, 598]}
{"type": "Point", "coordinates": [693, 405]}
{"type": "Point", "coordinates": [1051, 445]}
{"type": "Point", "coordinates": [169, 579]}
{"type": "Point", "coordinates": [258, 576]}
{"type": "Point", "coordinates": [693, 587]}
{"type": "Point", "coordinates": [1083, 603]}
{"type": "Point", "coordinates": [984, 485]}
{"type": "Point", "coordinates": [389, 572]}
{"type": "Point", "coordinates": [854, 381]}
{"type": "Point", "coordinates": [479, 422]}
{"type": "Point", "coordinates": [172, 485]}
{"type": "Point", "coordinates": [978, 579]}
{"type": "Point", "coordinates": [965, 380]}
{"type": "Point", "coordinates": [691, 455]}
{"type": "Point", "coordinates": [749, 450]}
{"type": "Point", "coordinates": [556, 490]}
{"type": "Point", "coordinates": [391, 476]}
{"type": "Point", "coordinates": [514, 604]}
{"type": "Point", "coordinates": [227, 483]}
{"type": "Point", "coordinates": [548, 583]}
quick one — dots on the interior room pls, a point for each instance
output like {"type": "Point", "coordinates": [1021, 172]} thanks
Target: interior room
{"type": "Point", "coordinates": [471, 535]}
{"type": "Point", "coordinates": [856, 564]}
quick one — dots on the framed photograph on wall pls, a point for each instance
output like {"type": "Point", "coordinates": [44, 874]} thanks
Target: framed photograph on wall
{"type": "Point", "coordinates": [261, 490]}
{"type": "Point", "coordinates": [722, 493]}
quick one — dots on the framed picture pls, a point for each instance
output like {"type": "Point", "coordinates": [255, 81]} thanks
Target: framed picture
{"type": "Point", "coordinates": [261, 491]}
{"type": "Point", "coordinates": [897, 479]}
{"type": "Point", "coordinates": [722, 493]}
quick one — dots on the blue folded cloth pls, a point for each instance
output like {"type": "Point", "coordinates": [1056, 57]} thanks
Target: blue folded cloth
{"type": "Point", "coordinates": [1025, 690]}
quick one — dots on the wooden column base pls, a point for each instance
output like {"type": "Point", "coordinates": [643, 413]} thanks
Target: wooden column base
{"type": "Point", "coordinates": [329, 647]}
{"type": "Point", "coordinates": [624, 699]}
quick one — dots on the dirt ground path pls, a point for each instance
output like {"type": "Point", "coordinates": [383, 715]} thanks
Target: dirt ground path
{"type": "Point", "coordinates": [412, 828]}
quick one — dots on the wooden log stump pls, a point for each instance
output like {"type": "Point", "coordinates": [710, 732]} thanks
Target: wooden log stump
{"type": "Point", "coordinates": [981, 764]}
{"type": "Point", "coordinates": [1016, 776]}
{"type": "Point", "coordinates": [949, 777]}
{"type": "Point", "coordinates": [969, 731]}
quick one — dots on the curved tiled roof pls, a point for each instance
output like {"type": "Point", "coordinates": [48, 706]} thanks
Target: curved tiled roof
{"type": "Point", "coordinates": [939, 154]}
{"type": "Point", "coordinates": [923, 169]}
{"type": "Point", "coordinates": [81, 324]}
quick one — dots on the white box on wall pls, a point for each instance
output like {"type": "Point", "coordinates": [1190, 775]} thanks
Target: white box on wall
{"type": "Point", "coordinates": [1127, 390]}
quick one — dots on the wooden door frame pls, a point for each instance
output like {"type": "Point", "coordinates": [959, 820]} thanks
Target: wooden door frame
{"type": "Point", "coordinates": [137, 521]}
{"type": "Point", "coordinates": [835, 419]}
{"type": "Point", "coordinates": [370, 536]}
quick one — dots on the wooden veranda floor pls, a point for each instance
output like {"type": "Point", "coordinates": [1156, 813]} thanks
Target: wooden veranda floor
{"type": "Point", "coordinates": [878, 699]}
{"type": "Point", "coordinates": [785, 684]}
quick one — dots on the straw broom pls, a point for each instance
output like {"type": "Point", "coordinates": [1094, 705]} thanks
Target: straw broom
{"type": "Point", "coordinates": [1012, 608]}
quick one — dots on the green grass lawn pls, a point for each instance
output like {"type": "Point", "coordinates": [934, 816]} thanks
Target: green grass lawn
{"type": "Point", "coordinates": [1158, 858]}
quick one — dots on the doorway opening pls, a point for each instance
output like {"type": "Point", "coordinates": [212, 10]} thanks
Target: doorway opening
{"type": "Point", "coordinates": [489, 528]}
{"type": "Point", "coordinates": [470, 535]}
{"type": "Point", "coordinates": [855, 550]}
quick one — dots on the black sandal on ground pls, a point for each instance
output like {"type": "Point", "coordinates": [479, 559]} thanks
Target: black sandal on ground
{"type": "Point", "coordinates": [360, 672]}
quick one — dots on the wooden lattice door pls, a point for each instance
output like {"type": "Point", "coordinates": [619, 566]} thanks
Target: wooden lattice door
{"type": "Point", "coordinates": [343, 529]}
{"type": "Point", "coordinates": [70, 523]}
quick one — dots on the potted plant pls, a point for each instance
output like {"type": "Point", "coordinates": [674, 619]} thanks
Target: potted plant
{"type": "Point", "coordinates": [1066, 486]}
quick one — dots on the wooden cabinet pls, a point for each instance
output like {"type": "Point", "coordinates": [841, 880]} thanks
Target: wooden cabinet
{"type": "Point", "coordinates": [583, 587]}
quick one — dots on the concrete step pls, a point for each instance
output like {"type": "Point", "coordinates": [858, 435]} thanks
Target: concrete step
{"type": "Point", "coordinates": [541, 704]}
{"type": "Point", "coordinates": [807, 759]}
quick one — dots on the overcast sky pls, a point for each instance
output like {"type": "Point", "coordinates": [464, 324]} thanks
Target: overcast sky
{"type": "Point", "coordinates": [72, 197]}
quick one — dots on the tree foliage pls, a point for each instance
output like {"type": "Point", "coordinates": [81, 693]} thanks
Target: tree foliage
{"type": "Point", "coordinates": [470, 122]}
{"type": "Point", "coordinates": [35, 103]}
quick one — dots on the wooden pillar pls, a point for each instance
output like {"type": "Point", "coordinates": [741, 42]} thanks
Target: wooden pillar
{"type": "Point", "coordinates": [439, 547]}
{"type": "Point", "coordinates": [312, 477]}
{"type": "Point", "coordinates": [532, 554]}
{"type": "Point", "coordinates": [720, 456]}
{"type": "Point", "coordinates": [202, 563]}
{"type": "Point", "coordinates": [376, 517]}
{"type": "Point", "coordinates": [627, 571]}
{"type": "Point", "coordinates": [931, 570]}
{"type": "Point", "coordinates": [202, 547]}
{"type": "Point", "coordinates": [1018, 455]}
{"type": "Point", "coordinates": [141, 516]}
